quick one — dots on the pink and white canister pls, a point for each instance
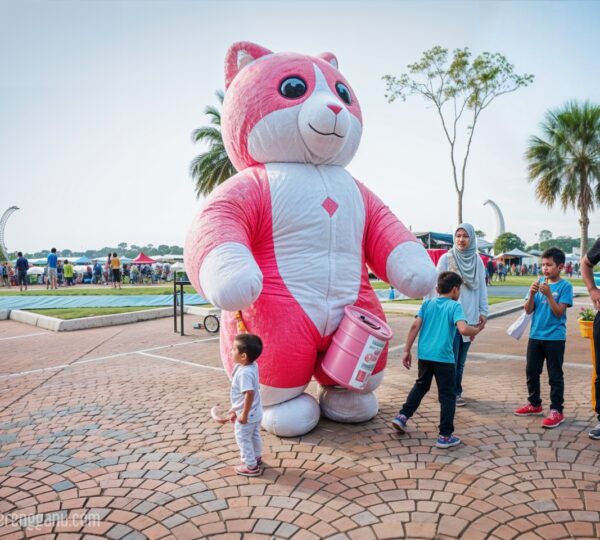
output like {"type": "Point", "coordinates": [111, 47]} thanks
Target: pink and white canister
{"type": "Point", "coordinates": [355, 348]}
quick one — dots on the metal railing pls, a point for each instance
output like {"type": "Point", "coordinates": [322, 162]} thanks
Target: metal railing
{"type": "Point", "coordinates": [181, 283]}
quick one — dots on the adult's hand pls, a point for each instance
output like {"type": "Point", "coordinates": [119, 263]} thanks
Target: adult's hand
{"type": "Point", "coordinates": [482, 322]}
{"type": "Point", "coordinates": [595, 297]}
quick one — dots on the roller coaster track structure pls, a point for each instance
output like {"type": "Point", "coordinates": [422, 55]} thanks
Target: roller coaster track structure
{"type": "Point", "coordinates": [3, 220]}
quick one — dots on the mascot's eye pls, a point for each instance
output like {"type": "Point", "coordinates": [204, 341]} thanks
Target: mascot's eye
{"type": "Point", "coordinates": [343, 92]}
{"type": "Point", "coordinates": [293, 88]}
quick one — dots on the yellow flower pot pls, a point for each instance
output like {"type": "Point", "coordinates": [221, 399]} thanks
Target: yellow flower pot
{"type": "Point", "coordinates": [586, 328]}
{"type": "Point", "coordinates": [587, 331]}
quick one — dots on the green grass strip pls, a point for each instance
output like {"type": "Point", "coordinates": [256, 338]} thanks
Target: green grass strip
{"type": "Point", "coordinates": [78, 313]}
{"type": "Point", "coordinates": [85, 290]}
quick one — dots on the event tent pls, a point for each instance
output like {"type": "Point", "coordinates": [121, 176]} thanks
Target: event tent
{"type": "Point", "coordinates": [433, 240]}
{"type": "Point", "coordinates": [142, 258]}
{"type": "Point", "coordinates": [83, 260]}
{"type": "Point", "coordinates": [522, 257]}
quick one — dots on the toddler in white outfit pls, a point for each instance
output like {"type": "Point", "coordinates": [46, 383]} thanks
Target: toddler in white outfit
{"type": "Point", "coordinates": [246, 407]}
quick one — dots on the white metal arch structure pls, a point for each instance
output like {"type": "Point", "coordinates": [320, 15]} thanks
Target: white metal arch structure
{"type": "Point", "coordinates": [499, 218]}
{"type": "Point", "coordinates": [3, 220]}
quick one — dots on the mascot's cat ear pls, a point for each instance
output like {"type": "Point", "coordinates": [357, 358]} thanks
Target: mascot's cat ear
{"type": "Point", "coordinates": [330, 57]}
{"type": "Point", "coordinates": [239, 55]}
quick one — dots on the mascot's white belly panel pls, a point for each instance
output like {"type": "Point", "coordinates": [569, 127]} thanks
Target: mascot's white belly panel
{"type": "Point", "coordinates": [318, 223]}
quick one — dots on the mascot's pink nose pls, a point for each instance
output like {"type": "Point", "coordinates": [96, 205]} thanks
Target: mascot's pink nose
{"type": "Point", "coordinates": [335, 108]}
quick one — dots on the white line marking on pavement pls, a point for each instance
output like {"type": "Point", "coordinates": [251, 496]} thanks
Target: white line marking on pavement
{"type": "Point", "coordinates": [24, 336]}
{"type": "Point", "coordinates": [109, 357]}
{"type": "Point", "coordinates": [494, 356]}
{"type": "Point", "coordinates": [180, 361]}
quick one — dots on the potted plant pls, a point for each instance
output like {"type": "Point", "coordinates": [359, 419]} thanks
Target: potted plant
{"type": "Point", "coordinates": [586, 322]}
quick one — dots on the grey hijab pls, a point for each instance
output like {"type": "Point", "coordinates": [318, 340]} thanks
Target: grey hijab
{"type": "Point", "coordinates": [466, 260]}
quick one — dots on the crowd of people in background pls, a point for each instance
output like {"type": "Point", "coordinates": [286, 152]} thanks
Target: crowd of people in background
{"type": "Point", "coordinates": [496, 271]}
{"type": "Point", "coordinates": [61, 272]}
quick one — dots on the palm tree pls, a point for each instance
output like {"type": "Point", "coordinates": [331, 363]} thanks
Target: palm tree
{"type": "Point", "coordinates": [566, 164]}
{"type": "Point", "coordinates": [213, 167]}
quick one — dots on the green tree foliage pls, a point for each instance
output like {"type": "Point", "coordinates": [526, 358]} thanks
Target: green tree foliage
{"type": "Point", "coordinates": [460, 88]}
{"type": "Point", "coordinates": [211, 168]}
{"type": "Point", "coordinates": [545, 235]}
{"type": "Point", "coordinates": [506, 242]}
{"type": "Point", "coordinates": [101, 253]}
{"type": "Point", "coordinates": [479, 234]}
{"type": "Point", "coordinates": [566, 243]}
{"type": "Point", "coordinates": [564, 163]}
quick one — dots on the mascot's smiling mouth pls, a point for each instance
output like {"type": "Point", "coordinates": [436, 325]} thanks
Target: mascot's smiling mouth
{"type": "Point", "coordinates": [326, 134]}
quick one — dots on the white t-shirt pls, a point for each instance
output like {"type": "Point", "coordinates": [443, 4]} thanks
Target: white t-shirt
{"type": "Point", "coordinates": [245, 378]}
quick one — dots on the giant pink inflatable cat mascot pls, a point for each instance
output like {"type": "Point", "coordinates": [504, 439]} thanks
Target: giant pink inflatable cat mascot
{"type": "Point", "coordinates": [288, 238]}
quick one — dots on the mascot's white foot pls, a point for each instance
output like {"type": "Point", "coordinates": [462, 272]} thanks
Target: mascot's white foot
{"type": "Point", "coordinates": [342, 405]}
{"type": "Point", "coordinates": [292, 418]}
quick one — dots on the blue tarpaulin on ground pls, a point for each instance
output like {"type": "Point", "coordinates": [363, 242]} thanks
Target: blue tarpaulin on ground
{"type": "Point", "coordinates": [53, 302]}
{"type": "Point", "coordinates": [145, 300]}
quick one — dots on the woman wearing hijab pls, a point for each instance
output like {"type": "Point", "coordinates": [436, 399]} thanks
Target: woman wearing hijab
{"type": "Point", "coordinates": [465, 261]}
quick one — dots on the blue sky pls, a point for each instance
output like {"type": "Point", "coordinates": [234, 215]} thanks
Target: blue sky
{"type": "Point", "coordinates": [98, 100]}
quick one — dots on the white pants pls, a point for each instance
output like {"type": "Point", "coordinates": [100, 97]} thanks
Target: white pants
{"type": "Point", "coordinates": [248, 439]}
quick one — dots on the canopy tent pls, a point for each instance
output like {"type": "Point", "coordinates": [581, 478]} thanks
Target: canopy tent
{"type": "Point", "coordinates": [517, 256]}
{"type": "Point", "coordinates": [126, 260]}
{"type": "Point", "coordinates": [83, 260]}
{"type": "Point", "coordinates": [179, 266]}
{"type": "Point", "coordinates": [142, 258]}
{"type": "Point", "coordinates": [35, 270]}
{"type": "Point", "coordinates": [484, 245]}
{"type": "Point", "coordinates": [435, 240]}
{"type": "Point", "coordinates": [513, 253]}
{"type": "Point", "coordinates": [169, 257]}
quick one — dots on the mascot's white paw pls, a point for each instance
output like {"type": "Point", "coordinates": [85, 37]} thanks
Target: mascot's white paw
{"type": "Point", "coordinates": [292, 418]}
{"type": "Point", "coordinates": [343, 405]}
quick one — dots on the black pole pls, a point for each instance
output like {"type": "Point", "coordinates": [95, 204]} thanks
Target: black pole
{"type": "Point", "coordinates": [175, 303]}
{"type": "Point", "coordinates": [181, 305]}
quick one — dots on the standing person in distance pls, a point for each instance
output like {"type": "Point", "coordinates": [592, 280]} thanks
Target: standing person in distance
{"type": "Point", "coordinates": [52, 269]}
{"type": "Point", "coordinates": [22, 265]}
{"type": "Point", "coordinates": [115, 266]}
{"type": "Point", "coordinates": [466, 262]}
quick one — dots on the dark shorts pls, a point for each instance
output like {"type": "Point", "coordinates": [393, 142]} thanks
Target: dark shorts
{"type": "Point", "coordinates": [116, 275]}
{"type": "Point", "coordinates": [22, 277]}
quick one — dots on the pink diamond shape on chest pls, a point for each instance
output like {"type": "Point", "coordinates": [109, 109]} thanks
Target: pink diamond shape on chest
{"type": "Point", "coordinates": [330, 206]}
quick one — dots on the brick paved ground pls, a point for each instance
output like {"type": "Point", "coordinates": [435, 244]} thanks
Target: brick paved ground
{"type": "Point", "coordinates": [104, 446]}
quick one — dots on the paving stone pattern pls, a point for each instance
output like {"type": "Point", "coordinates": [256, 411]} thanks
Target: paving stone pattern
{"type": "Point", "coordinates": [124, 448]}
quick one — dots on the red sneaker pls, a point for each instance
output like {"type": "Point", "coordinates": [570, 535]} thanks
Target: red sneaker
{"type": "Point", "coordinates": [554, 419]}
{"type": "Point", "coordinates": [529, 410]}
{"type": "Point", "coordinates": [244, 470]}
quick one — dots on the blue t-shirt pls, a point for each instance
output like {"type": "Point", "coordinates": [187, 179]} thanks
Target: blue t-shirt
{"type": "Point", "coordinates": [22, 264]}
{"type": "Point", "coordinates": [52, 260]}
{"type": "Point", "coordinates": [544, 324]}
{"type": "Point", "coordinates": [438, 329]}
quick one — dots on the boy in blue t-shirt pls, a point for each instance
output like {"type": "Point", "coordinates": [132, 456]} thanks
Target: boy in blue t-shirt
{"type": "Point", "coordinates": [548, 300]}
{"type": "Point", "coordinates": [436, 324]}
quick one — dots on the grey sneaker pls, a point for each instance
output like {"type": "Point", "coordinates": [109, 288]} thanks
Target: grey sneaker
{"type": "Point", "coordinates": [447, 442]}
{"type": "Point", "coordinates": [460, 402]}
{"type": "Point", "coordinates": [399, 423]}
{"type": "Point", "coordinates": [595, 433]}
